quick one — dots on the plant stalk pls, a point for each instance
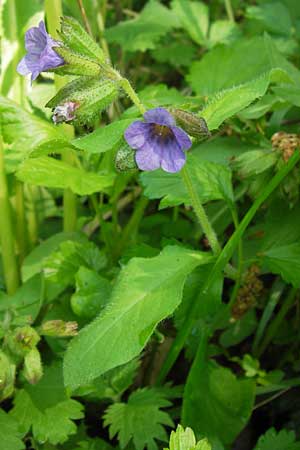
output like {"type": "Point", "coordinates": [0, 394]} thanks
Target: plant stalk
{"type": "Point", "coordinates": [10, 266]}
{"type": "Point", "coordinates": [200, 212]}
{"type": "Point", "coordinates": [275, 324]}
{"type": "Point", "coordinates": [53, 9]}
{"type": "Point", "coordinates": [229, 10]}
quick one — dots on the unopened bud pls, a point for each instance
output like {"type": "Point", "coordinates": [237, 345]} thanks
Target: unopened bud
{"type": "Point", "coordinates": [33, 370]}
{"type": "Point", "coordinates": [64, 112]}
{"type": "Point", "coordinates": [7, 376]}
{"type": "Point", "coordinates": [58, 328]}
{"type": "Point", "coordinates": [191, 123]}
{"type": "Point", "coordinates": [22, 340]}
{"type": "Point", "coordinates": [125, 159]}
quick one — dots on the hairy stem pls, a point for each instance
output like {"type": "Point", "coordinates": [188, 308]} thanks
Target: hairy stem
{"type": "Point", "coordinates": [132, 94]}
{"type": "Point", "coordinates": [200, 212]}
{"type": "Point", "coordinates": [10, 266]}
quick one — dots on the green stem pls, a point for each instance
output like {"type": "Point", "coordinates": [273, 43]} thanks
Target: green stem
{"type": "Point", "coordinates": [20, 221]}
{"type": "Point", "coordinates": [53, 9]}
{"type": "Point", "coordinates": [275, 324]}
{"type": "Point", "coordinates": [277, 290]}
{"type": "Point", "coordinates": [32, 215]}
{"type": "Point", "coordinates": [229, 10]}
{"type": "Point", "coordinates": [221, 262]}
{"type": "Point", "coordinates": [200, 212]}
{"type": "Point", "coordinates": [131, 94]}
{"type": "Point", "coordinates": [10, 267]}
{"type": "Point", "coordinates": [132, 225]}
{"type": "Point", "coordinates": [240, 263]}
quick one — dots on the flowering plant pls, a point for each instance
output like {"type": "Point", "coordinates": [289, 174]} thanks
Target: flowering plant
{"type": "Point", "coordinates": [149, 247]}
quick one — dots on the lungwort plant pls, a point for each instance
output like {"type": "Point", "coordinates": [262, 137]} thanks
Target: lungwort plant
{"type": "Point", "coordinates": [149, 225]}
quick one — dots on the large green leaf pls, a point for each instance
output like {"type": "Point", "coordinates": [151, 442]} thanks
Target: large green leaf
{"type": "Point", "coordinates": [285, 261]}
{"type": "Point", "coordinates": [33, 263]}
{"type": "Point", "coordinates": [274, 16]}
{"type": "Point", "coordinates": [193, 17]}
{"type": "Point", "coordinates": [92, 293]}
{"type": "Point", "coordinates": [27, 132]}
{"type": "Point", "coordinates": [9, 433]}
{"type": "Point", "coordinates": [226, 67]}
{"type": "Point", "coordinates": [212, 182]}
{"type": "Point", "coordinates": [147, 291]}
{"type": "Point", "coordinates": [143, 32]}
{"type": "Point", "coordinates": [216, 403]}
{"type": "Point", "coordinates": [229, 102]}
{"type": "Point", "coordinates": [52, 173]}
{"type": "Point", "coordinates": [103, 139]}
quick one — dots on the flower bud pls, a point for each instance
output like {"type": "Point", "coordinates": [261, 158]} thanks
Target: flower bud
{"type": "Point", "coordinates": [22, 340]}
{"type": "Point", "coordinates": [64, 112]}
{"type": "Point", "coordinates": [125, 159]}
{"type": "Point", "coordinates": [58, 328]}
{"type": "Point", "coordinates": [33, 370]}
{"type": "Point", "coordinates": [7, 376]}
{"type": "Point", "coordinates": [191, 123]}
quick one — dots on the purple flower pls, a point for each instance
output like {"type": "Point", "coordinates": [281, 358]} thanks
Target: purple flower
{"type": "Point", "coordinates": [40, 54]}
{"type": "Point", "coordinates": [158, 142]}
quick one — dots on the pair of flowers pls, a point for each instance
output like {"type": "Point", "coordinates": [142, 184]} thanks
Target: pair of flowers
{"type": "Point", "coordinates": [158, 142]}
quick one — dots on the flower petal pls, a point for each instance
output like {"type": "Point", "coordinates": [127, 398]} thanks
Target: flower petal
{"type": "Point", "coordinates": [22, 67]}
{"type": "Point", "coordinates": [49, 59]}
{"type": "Point", "coordinates": [42, 28]}
{"type": "Point", "coordinates": [136, 134]}
{"type": "Point", "coordinates": [173, 158]}
{"type": "Point", "coordinates": [160, 116]}
{"type": "Point", "coordinates": [149, 156]}
{"type": "Point", "coordinates": [35, 41]}
{"type": "Point", "coordinates": [182, 138]}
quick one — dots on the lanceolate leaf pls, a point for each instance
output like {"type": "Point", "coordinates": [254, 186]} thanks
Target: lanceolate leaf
{"type": "Point", "coordinates": [53, 173]}
{"type": "Point", "coordinates": [147, 291]}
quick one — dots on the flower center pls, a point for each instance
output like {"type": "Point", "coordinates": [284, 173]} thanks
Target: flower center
{"type": "Point", "coordinates": [162, 131]}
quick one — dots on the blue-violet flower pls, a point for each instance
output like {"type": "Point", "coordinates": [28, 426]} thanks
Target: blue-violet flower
{"type": "Point", "coordinates": [40, 54]}
{"type": "Point", "coordinates": [158, 141]}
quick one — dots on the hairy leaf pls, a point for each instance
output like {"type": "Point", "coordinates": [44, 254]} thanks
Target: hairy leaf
{"type": "Point", "coordinates": [147, 291]}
